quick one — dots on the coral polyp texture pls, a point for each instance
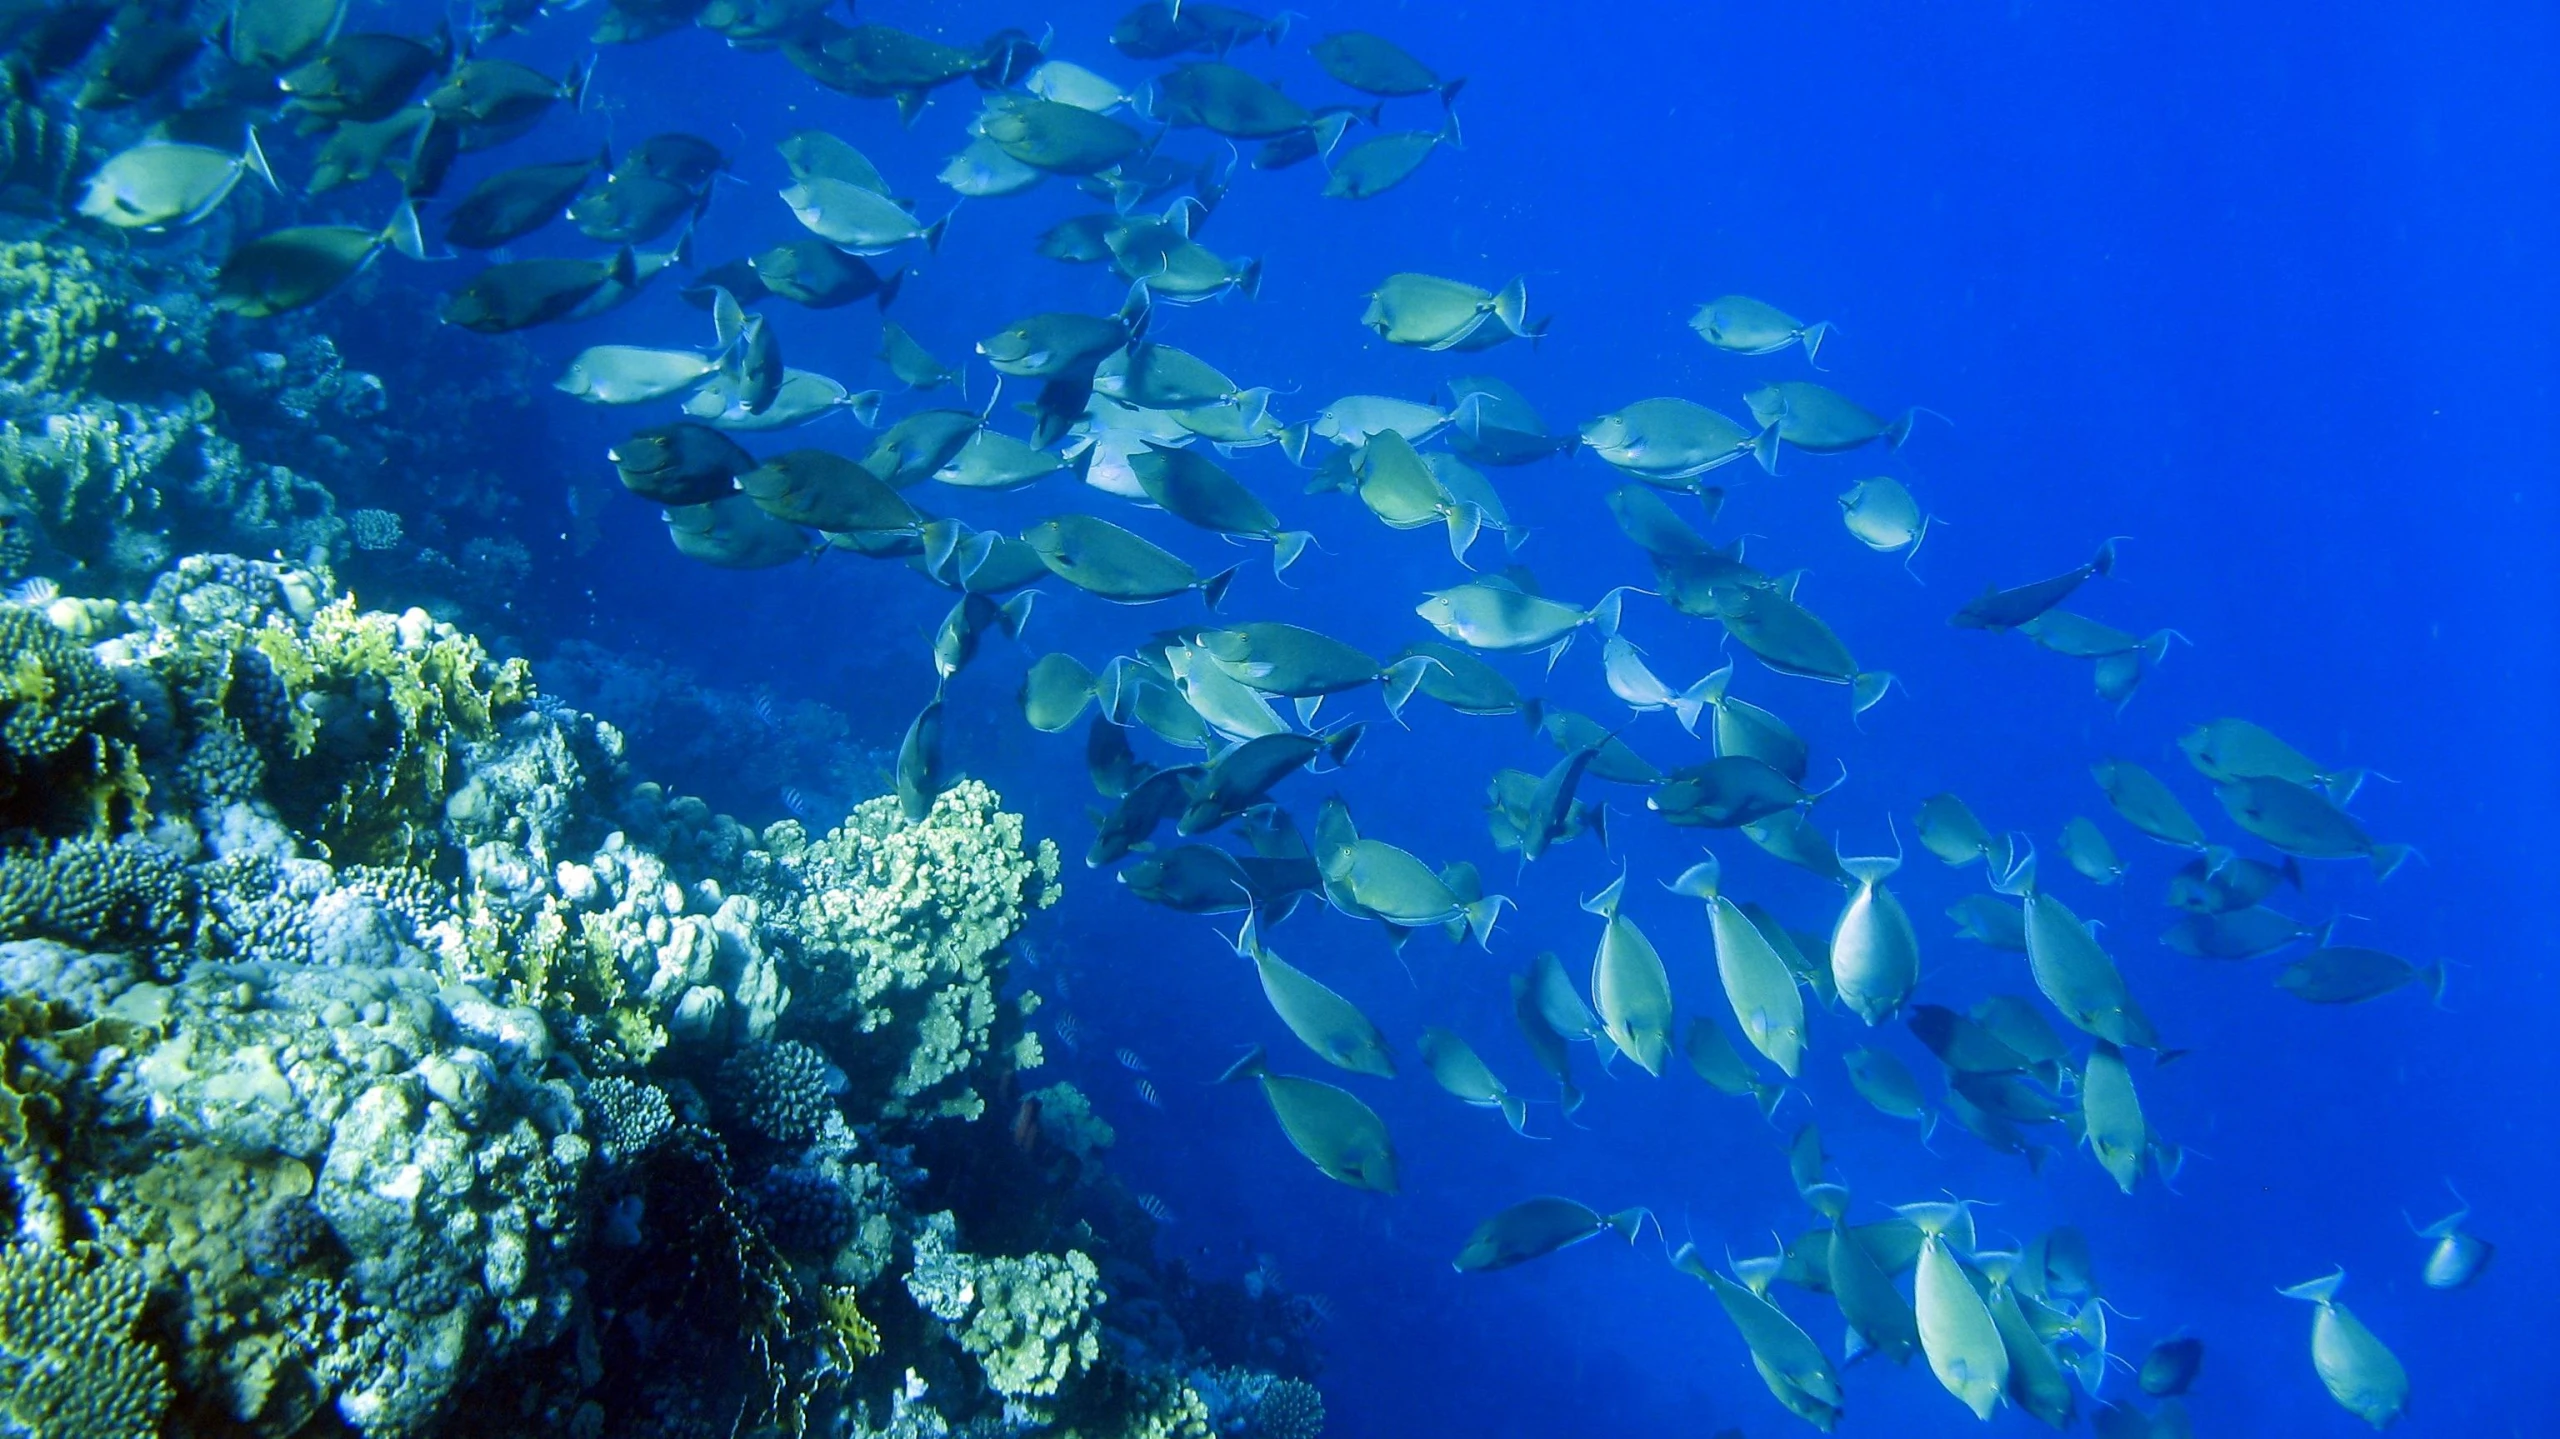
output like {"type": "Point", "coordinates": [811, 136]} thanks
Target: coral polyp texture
{"type": "Point", "coordinates": [379, 1053]}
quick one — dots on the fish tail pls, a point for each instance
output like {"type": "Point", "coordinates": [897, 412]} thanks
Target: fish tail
{"type": "Point", "coordinates": [1511, 307]}
{"type": "Point", "coordinates": [1249, 279]}
{"type": "Point", "coordinates": [1629, 1223]}
{"type": "Point", "coordinates": [1255, 1064]}
{"type": "Point", "coordinates": [1515, 1112]}
{"type": "Point", "coordinates": [1402, 679]}
{"type": "Point", "coordinates": [933, 233]}
{"type": "Point", "coordinates": [1764, 447]}
{"type": "Point", "coordinates": [2387, 858]}
{"type": "Point", "coordinates": [1338, 748]}
{"type": "Point", "coordinates": [1481, 916]}
{"type": "Point", "coordinates": [1015, 613]}
{"type": "Point", "coordinates": [1214, 588]}
{"type": "Point", "coordinates": [1700, 880]}
{"type": "Point", "coordinates": [1466, 526]}
{"type": "Point", "coordinates": [1866, 689]}
{"type": "Point", "coordinates": [1769, 1096]}
{"type": "Point", "coordinates": [1812, 337]}
{"type": "Point", "coordinates": [1286, 547]}
{"type": "Point", "coordinates": [2317, 1291]}
{"type": "Point", "coordinates": [1596, 819]}
{"type": "Point", "coordinates": [2103, 563]}
{"type": "Point", "coordinates": [2436, 974]}
{"type": "Point", "coordinates": [889, 291]}
{"type": "Point", "coordinates": [1871, 869]}
{"type": "Point", "coordinates": [865, 405]}
{"type": "Point", "coordinates": [1449, 91]}
{"type": "Point", "coordinates": [402, 233]}
{"type": "Point", "coordinates": [1699, 697]}
{"type": "Point", "coordinates": [574, 88]}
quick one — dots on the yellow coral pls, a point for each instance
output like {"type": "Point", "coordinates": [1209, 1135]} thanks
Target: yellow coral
{"type": "Point", "coordinates": [850, 1338]}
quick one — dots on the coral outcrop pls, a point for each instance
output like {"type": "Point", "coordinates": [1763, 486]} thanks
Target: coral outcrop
{"type": "Point", "coordinates": [379, 1054]}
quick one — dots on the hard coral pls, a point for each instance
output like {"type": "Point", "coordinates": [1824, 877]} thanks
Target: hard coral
{"type": "Point", "coordinates": [910, 920]}
{"type": "Point", "coordinates": [1028, 1321]}
{"type": "Point", "coordinates": [70, 1366]}
{"type": "Point", "coordinates": [65, 759]}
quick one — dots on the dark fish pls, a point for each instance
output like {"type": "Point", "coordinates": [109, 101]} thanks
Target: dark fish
{"type": "Point", "coordinates": [1149, 803]}
{"type": "Point", "coordinates": [2171, 1367]}
{"type": "Point", "coordinates": [1379, 67]}
{"type": "Point", "coordinates": [1997, 609]}
{"type": "Point", "coordinates": [632, 206]}
{"type": "Point", "coordinates": [144, 57]}
{"type": "Point", "coordinates": [955, 642]}
{"type": "Point", "coordinates": [1243, 776]}
{"type": "Point", "coordinates": [732, 533]}
{"type": "Point", "coordinates": [1376, 166]}
{"type": "Point", "coordinates": [514, 203]}
{"type": "Point", "coordinates": [288, 269]}
{"type": "Point", "coordinates": [920, 774]}
{"type": "Point", "coordinates": [1538, 1227]}
{"type": "Point", "coordinates": [519, 294]}
{"type": "Point", "coordinates": [2347, 974]}
{"type": "Point", "coordinates": [364, 76]}
{"type": "Point", "coordinates": [680, 464]}
{"type": "Point", "coordinates": [1162, 29]}
{"type": "Point", "coordinates": [1191, 879]}
{"type": "Point", "coordinates": [495, 100]}
{"type": "Point", "coordinates": [1225, 100]}
{"type": "Point", "coordinates": [1727, 792]}
{"type": "Point", "coordinates": [825, 491]}
{"type": "Point", "coordinates": [677, 158]}
{"type": "Point", "coordinates": [820, 276]}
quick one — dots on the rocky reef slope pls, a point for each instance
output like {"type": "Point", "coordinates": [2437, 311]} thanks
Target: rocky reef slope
{"type": "Point", "coordinates": [380, 1055]}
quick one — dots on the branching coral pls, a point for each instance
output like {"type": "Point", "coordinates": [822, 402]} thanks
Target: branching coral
{"type": "Point", "coordinates": [66, 765]}
{"type": "Point", "coordinates": [70, 1365]}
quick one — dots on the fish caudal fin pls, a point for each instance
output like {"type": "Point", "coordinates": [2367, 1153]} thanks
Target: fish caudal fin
{"type": "Point", "coordinates": [1481, 916]}
{"type": "Point", "coordinates": [1466, 526]}
{"type": "Point", "coordinates": [1764, 447]}
{"type": "Point", "coordinates": [1515, 1112]}
{"type": "Point", "coordinates": [1254, 1065]}
{"type": "Point", "coordinates": [2387, 859]}
{"type": "Point", "coordinates": [1214, 588]}
{"type": "Point", "coordinates": [2316, 1291]}
{"type": "Point", "coordinates": [1812, 337]}
{"type": "Point", "coordinates": [933, 233]}
{"type": "Point", "coordinates": [1867, 688]}
{"type": "Point", "coordinates": [1511, 306]}
{"type": "Point", "coordinates": [1400, 681]}
{"type": "Point", "coordinates": [1286, 547]}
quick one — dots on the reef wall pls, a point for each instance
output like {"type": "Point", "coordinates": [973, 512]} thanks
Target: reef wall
{"type": "Point", "coordinates": [380, 1054]}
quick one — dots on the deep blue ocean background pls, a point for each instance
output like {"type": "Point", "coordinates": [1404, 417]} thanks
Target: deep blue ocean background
{"type": "Point", "coordinates": [2267, 290]}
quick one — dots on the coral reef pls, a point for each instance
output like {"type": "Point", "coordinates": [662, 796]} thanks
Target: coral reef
{"type": "Point", "coordinates": [382, 1054]}
{"type": "Point", "coordinates": [137, 422]}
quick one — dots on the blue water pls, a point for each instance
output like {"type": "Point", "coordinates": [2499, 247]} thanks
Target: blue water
{"type": "Point", "coordinates": [2265, 291]}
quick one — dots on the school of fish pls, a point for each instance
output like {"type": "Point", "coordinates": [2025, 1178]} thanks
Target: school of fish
{"type": "Point", "coordinates": [1123, 430]}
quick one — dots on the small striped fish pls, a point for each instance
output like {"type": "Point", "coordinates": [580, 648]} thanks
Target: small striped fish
{"type": "Point", "coordinates": [1155, 1209]}
{"type": "Point", "coordinates": [1147, 1095]}
{"type": "Point", "coordinates": [1130, 1061]}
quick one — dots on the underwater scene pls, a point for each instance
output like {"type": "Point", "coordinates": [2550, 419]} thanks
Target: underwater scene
{"type": "Point", "coordinates": [958, 718]}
